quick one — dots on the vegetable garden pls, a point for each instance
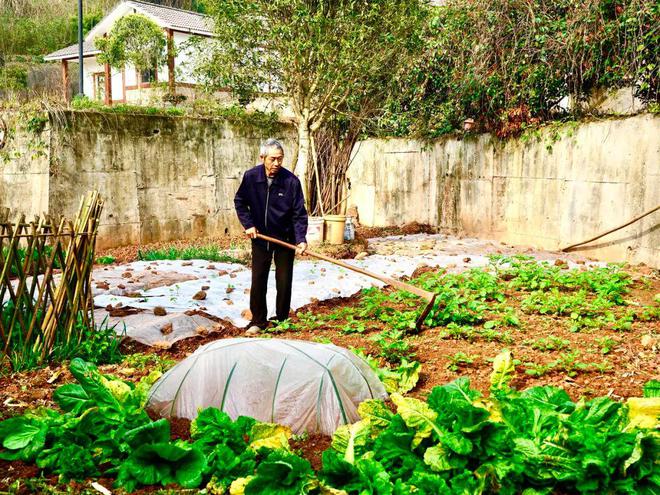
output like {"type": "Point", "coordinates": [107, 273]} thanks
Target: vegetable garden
{"type": "Point", "coordinates": [528, 377]}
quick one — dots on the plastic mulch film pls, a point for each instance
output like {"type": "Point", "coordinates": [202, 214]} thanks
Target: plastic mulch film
{"type": "Point", "coordinates": [305, 385]}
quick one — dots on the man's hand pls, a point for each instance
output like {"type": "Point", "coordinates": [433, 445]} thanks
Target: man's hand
{"type": "Point", "coordinates": [251, 232]}
{"type": "Point", "coordinates": [300, 248]}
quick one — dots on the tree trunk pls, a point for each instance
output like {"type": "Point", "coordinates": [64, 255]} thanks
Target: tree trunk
{"type": "Point", "coordinates": [304, 145]}
{"type": "Point", "coordinates": [304, 150]}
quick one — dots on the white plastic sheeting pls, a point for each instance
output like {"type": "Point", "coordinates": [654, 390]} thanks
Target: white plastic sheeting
{"type": "Point", "coordinates": [305, 385]}
{"type": "Point", "coordinates": [311, 280]}
{"type": "Point", "coordinates": [173, 284]}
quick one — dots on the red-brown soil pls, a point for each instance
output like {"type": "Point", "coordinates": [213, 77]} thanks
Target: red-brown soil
{"type": "Point", "coordinates": [634, 360]}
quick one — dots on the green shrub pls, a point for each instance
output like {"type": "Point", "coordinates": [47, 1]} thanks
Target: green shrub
{"type": "Point", "coordinates": [508, 64]}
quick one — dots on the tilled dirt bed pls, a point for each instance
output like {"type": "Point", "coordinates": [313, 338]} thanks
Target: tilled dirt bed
{"type": "Point", "coordinates": [592, 362]}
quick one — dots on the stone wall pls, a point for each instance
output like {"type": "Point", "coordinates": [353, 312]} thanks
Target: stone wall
{"type": "Point", "coordinates": [549, 190]}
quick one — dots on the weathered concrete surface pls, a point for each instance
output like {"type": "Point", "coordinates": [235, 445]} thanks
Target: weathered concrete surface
{"type": "Point", "coordinates": [549, 191]}
{"type": "Point", "coordinates": [161, 178]}
{"type": "Point", "coordinates": [24, 169]}
{"type": "Point", "coordinates": [174, 177]}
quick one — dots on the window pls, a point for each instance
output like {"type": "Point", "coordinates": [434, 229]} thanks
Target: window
{"type": "Point", "coordinates": [148, 76]}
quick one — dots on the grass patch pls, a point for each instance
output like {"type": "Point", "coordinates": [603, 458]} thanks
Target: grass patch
{"type": "Point", "coordinates": [209, 253]}
{"type": "Point", "coordinates": [18, 261]}
{"type": "Point", "coordinates": [106, 260]}
{"type": "Point", "coordinates": [98, 345]}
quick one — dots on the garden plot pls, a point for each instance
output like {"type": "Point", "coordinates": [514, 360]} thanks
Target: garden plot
{"type": "Point", "coordinates": [576, 349]}
{"type": "Point", "coordinates": [171, 294]}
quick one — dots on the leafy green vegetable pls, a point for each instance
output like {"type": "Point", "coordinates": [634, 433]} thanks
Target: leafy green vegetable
{"type": "Point", "coordinates": [23, 438]}
{"type": "Point", "coordinates": [339, 473]}
{"type": "Point", "coordinates": [457, 441]}
{"type": "Point", "coordinates": [377, 413]}
{"type": "Point", "coordinates": [162, 463]}
{"type": "Point", "coordinates": [282, 473]}
{"type": "Point", "coordinates": [214, 427]}
{"type": "Point", "coordinates": [393, 448]}
{"type": "Point", "coordinates": [156, 432]}
{"type": "Point", "coordinates": [70, 461]}
{"type": "Point", "coordinates": [351, 440]}
{"type": "Point", "coordinates": [536, 441]}
{"type": "Point", "coordinates": [503, 370]}
{"type": "Point", "coordinates": [269, 435]}
{"type": "Point", "coordinates": [418, 416]}
{"type": "Point", "coordinates": [401, 379]}
{"type": "Point", "coordinates": [72, 398]}
{"type": "Point", "coordinates": [652, 388]}
{"type": "Point", "coordinates": [225, 466]}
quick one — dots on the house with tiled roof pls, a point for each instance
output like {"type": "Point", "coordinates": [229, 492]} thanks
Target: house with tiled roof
{"type": "Point", "coordinates": [112, 85]}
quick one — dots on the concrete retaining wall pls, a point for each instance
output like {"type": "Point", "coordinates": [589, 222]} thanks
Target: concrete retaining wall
{"type": "Point", "coordinates": [162, 178]}
{"type": "Point", "coordinates": [553, 189]}
{"type": "Point", "coordinates": [172, 177]}
{"type": "Point", "coordinates": [24, 168]}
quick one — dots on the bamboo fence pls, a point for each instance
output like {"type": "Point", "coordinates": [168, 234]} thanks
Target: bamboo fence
{"type": "Point", "coordinates": [45, 282]}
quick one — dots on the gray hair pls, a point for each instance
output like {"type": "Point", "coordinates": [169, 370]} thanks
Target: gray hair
{"type": "Point", "coordinates": [268, 144]}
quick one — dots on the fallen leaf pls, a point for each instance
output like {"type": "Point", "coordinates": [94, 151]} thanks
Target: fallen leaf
{"type": "Point", "coordinates": [101, 489]}
{"type": "Point", "coordinates": [54, 376]}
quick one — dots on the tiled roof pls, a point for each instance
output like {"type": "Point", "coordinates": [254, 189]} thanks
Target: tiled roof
{"type": "Point", "coordinates": [169, 17]}
{"type": "Point", "coordinates": [183, 20]}
{"type": "Point", "coordinates": [72, 51]}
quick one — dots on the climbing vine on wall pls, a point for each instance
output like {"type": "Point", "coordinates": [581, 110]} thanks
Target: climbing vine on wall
{"type": "Point", "coordinates": [29, 120]}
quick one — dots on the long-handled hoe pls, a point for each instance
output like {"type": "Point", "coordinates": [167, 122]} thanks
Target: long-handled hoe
{"type": "Point", "coordinates": [427, 295]}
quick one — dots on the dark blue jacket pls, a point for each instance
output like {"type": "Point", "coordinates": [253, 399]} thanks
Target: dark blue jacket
{"type": "Point", "coordinates": [279, 211]}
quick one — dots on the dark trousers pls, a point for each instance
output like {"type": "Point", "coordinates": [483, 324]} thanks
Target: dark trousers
{"type": "Point", "coordinates": [261, 260]}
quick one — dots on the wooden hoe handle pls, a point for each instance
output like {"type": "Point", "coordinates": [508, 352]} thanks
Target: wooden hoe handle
{"type": "Point", "coordinates": [429, 296]}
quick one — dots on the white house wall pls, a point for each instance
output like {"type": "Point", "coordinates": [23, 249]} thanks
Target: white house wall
{"type": "Point", "coordinates": [91, 66]}
{"type": "Point", "coordinates": [131, 76]}
{"type": "Point", "coordinates": [106, 24]}
{"type": "Point", "coordinates": [183, 61]}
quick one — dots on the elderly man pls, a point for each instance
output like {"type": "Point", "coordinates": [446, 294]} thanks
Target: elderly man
{"type": "Point", "coordinates": [270, 201]}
